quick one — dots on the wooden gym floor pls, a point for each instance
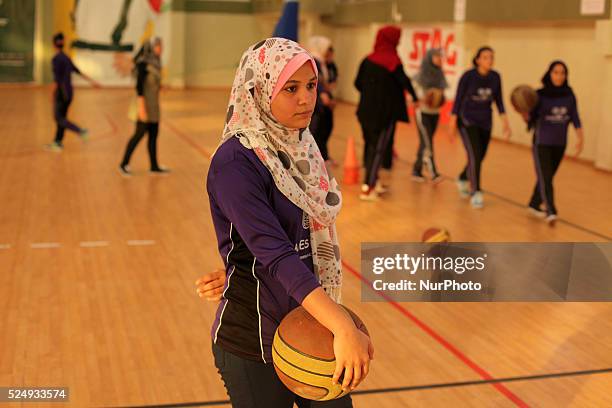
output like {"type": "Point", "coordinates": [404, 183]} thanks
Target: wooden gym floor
{"type": "Point", "coordinates": [97, 270]}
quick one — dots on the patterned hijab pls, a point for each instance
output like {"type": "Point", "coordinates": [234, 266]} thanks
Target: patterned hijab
{"type": "Point", "coordinates": [291, 155]}
{"type": "Point", "coordinates": [430, 75]}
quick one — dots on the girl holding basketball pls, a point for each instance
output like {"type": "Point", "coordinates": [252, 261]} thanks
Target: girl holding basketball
{"type": "Point", "coordinates": [472, 115]}
{"type": "Point", "coordinates": [274, 206]}
{"type": "Point", "coordinates": [550, 119]}
{"type": "Point", "coordinates": [429, 79]}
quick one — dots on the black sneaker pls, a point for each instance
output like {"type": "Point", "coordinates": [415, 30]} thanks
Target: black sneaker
{"type": "Point", "coordinates": [124, 169]}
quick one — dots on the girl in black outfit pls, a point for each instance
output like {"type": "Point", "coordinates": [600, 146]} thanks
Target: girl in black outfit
{"type": "Point", "coordinates": [550, 119]}
{"type": "Point", "coordinates": [148, 83]}
{"type": "Point", "coordinates": [381, 81]}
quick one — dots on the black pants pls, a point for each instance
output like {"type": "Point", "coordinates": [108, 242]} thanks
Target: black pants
{"type": "Point", "coordinates": [377, 141]}
{"type": "Point", "coordinates": [141, 129]}
{"type": "Point", "coordinates": [60, 112]}
{"type": "Point", "coordinates": [476, 141]}
{"type": "Point", "coordinates": [547, 160]}
{"type": "Point", "coordinates": [321, 127]}
{"type": "Point", "coordinates": [427, 124]}
{"type": "Point", "coordinates": [253, 384]}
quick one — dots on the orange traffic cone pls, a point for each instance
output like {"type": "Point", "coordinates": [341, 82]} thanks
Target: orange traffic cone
{"type": "Point", "coordinates": [351, 167]}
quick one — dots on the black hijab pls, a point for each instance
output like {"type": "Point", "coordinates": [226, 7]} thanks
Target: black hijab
{"type": "Point", "coordinates": [549, 89]}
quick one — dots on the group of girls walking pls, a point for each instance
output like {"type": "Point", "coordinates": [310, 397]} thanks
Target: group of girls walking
{"type": "Point", "coordinates": [382, 82]}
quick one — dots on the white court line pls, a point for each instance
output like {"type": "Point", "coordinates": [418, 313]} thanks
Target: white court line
{"type": "Point", "coordinates": [140, 242]}
{"type": "Point", "coordinates": [93, 244]}
{"type": "Point", "coordinates": [5, 246]}
{"type": "Point", "coordinates": [42, 245]}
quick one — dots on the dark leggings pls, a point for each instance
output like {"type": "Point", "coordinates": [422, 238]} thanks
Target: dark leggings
{"type": "Point", "coordinates": [547, 160]}
{"type": "Point", "coordinates": [476, 141]}
{"type": "Point", "coordinates": [377, 141]}
{"type": "Point", "coordinates": [60, 111]}
{"type": "Point", "coordinates": [253, 384]}
{"type": "Point", "coordinates": [427, 124]}
{"type": "Point", "coordinates": [141, 129]}
{"type": "Point", "coordinates": [321, 127]}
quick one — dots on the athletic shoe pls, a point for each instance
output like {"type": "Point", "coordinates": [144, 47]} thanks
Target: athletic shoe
{"type": "Point", "coordinates": [436, 178]}
{"type": "Point", "coordinates": [464, 188]}
{"type": "Point", "coordinates": [418, 177]}
{"type": "Point", "coordinates": [160, 170]}
{"type": "Point", "coordinates": [380, 188]}
{"type": "Point", "coordinates": [477, 200]}
{"type": "Point", "coordinates": [54, 147]}
{"type": "Point", "coordinates": [84, 135]}
{"type": "Point", "coordinates": [536, 212]}
{"type": "Point", "coordinates": [369, 196]}
{"type": "Point", "coordinates": [551, 219]}
{"type": "Point", "coordinates": [124, 169]}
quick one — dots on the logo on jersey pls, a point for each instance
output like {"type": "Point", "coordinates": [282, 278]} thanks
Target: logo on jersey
{"type": "Point", "coordinates": [482, 95]}
{"type": "Point", "coordinates": [558, 114]}
{"type": "Point", "coordinates": [305, 220]}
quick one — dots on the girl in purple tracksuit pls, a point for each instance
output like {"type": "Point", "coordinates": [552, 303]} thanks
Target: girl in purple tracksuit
{"type": "Point", "coordinates": [273, 205]}
{"type": "Point", "coordinates": [472, 115]}
{"type": "Point", "coordinates": [550, 119]}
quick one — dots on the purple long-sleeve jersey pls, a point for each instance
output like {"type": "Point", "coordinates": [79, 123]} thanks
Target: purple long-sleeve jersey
{"type": "Point", "coordinates": [264, 240]}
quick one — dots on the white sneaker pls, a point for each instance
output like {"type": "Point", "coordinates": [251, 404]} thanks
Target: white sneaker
{"type": "Point", "coordinates": [477, 201]}
{"type": "Point", "coordinates": [380, 188]}
{"type": "Point", "coordinates": [54, 147]}
{"type": "Point", "coordinates": [371, 196]}
{"type": "Point", "coordinates": [536, 212]}
{"type": "Point", "coordinates": [464, 188]}
{"type": "Point", "coordinates": [551, 219]}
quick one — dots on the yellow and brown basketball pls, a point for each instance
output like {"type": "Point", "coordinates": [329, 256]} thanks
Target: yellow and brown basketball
{"type": "Point", "coordinates": [436, 235]}
{"type": "Point", "coordinates": [524, 98]}
{"type": "Point", "coordinates": [434, 98]}
{"type": "Point", "coordinates": [303, 355]}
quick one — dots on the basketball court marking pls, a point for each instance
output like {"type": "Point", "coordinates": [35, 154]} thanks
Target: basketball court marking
{"type": "Point", "coordinates": [5, 246]}
{"type": "Point", "coordinates": [44, 245]}
{"type": "Point", "coordinates": [412, 387]}
{"type": "Point", "coordinates": [140, 242]}
{"type": "Point", "coordinates": [93, 244]}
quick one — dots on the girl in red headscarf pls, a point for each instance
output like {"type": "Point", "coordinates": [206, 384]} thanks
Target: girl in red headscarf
{"type": "Point", "coordinates": [381, 81]}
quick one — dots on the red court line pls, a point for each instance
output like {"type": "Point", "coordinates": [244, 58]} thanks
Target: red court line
{"type": "Point", "coordinates": [110, 120]}
{"type": "Point", "coordinates": [441, 340]}
{"type": "Point", "coordinates": [187, 139]}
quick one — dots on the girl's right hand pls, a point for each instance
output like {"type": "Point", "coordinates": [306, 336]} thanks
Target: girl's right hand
{"type": "Point", "coordinates": [353, 350]}
{"type": "Point", "coordinates": [211, 285]}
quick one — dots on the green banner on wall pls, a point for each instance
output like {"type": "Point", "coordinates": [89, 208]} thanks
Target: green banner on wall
{"type": "Point", "coordinates": [16, 40]}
